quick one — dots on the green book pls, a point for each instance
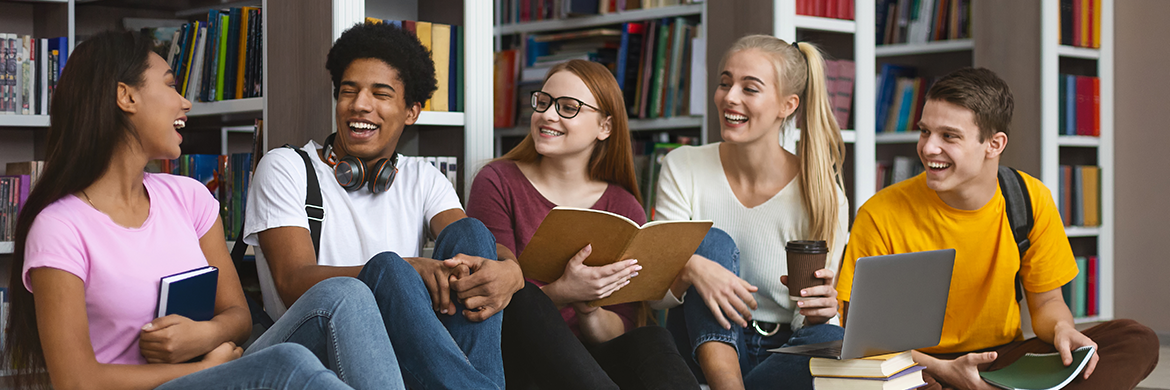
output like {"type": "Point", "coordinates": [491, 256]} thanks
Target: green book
{"type": "Point", "coordinates": [1080, 287]}
{"type": "Point", "coordinates": [660, 65]}
{"type": "Point", "coordinates": [1039, 371]}
{"type": "Point", "coordinates": [222, 60]}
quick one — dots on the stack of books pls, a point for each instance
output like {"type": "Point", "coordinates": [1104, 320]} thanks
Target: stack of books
{"type": "Point", "coordinates": [895, 371]}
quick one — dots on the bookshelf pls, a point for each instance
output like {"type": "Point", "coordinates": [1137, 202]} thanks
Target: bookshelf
{"type": "Point", "coordinates": [682, 123]}
{"type": "Point", "coordinates": [1057, 58]}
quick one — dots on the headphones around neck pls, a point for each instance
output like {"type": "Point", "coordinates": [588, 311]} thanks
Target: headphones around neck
{"type": "Point", "coordinates": [351, 172]}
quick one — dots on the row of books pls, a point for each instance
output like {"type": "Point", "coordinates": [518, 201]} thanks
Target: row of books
{"type": "Point", "coordinates": [445, 42]}
{"type": "Point", "coordinates": [921, 21]}
{"type": "Point", "coordinates": [839, 76]}
{"type": "Point", "coordinates": [448, 165]}
{"type": "Point", "coordinates": [29, 68]}
{"type": "Point", "coordinates": [901, 168]}
{"type": "Point", "coordinates": [659, 65]}
{"type": "Point", "coordinates": [15, 185]}
{"type": "Point", "coordinates": [1080, 23]}
{"type": "Point", "coordinates": [900, 98]}
{"type": "Point", "coordinates": [648, 157]}
{"type": "Point", "coordinates": [895, 371]}
{"type": "Point", "coordinates": [519, 11]}
{"type": "Point", "coordinates": [1081, 294]}
{"type": "Point", "coordinates": [1080, 105]}
{"type": "Point", "coordinates": [1080, 195]}
{"type": "Point", "coordinates": [226, 176]}
{"type": "Point", "coordinates": [218, 59]}
{"type": "Point", "coordinates": [836, 9]}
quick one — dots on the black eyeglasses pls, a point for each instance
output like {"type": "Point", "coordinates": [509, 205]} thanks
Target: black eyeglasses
{"type": "Point", "coordinates": [567, 107]}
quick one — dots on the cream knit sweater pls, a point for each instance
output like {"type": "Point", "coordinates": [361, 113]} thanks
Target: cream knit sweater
{"type": "Point", "coordinates": [692, 186]}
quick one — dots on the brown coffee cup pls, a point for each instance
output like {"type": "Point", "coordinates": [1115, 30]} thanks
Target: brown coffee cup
{"type": "Point", "coordinates": [804, 259]}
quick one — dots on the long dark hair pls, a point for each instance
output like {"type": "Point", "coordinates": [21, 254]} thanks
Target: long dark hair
{"type": "Point", "coordinates": [85, 127]}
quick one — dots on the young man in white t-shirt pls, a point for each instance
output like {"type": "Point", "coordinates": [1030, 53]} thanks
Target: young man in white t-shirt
{"type": "Point", "coordinates": [375, 229]}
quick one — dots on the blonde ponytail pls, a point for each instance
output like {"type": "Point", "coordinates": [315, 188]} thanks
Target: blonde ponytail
{"type": "Point", "coordinates": [800, 69]}
{"type": "Point", "coordinates": [821, 150]}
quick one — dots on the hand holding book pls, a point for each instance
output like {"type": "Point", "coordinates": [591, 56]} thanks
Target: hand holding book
{"type": "Point", "coordinates": [582, 283]}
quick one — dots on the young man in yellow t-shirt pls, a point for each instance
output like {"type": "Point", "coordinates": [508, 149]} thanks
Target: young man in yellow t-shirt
{"type": "Point", "coordinates": [957, 204]}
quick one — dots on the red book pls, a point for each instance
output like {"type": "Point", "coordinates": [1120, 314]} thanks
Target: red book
{"type": "Point", "coordinates": [1078, 11]}
{"type": "Point", "coordinates": [1091, 297]}
{"type": "Point", "coordinates": [830, 8]}
{"type": "Point", "coordinates": [408, 25]}
{"type": "Point", "coordinates": [1084, 105]}
{"type": "Point", "coordinates": [1096, 130]}
{"type": "Point", "coordinates": [820, 8]}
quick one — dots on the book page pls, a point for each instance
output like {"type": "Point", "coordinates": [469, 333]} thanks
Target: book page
{"type": "Point", "coordinates": [662, 249]}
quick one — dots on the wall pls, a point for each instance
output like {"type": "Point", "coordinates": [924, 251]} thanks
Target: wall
{"type": "Point", "coordinates": [1142, 183]}
{"type": "Point", "coordinates": [727, 21]}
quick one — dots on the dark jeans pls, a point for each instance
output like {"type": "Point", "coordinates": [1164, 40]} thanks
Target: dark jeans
{"type": "Point", "coordinates": [692, 324]}
{"type": "Point", "coordinates": [1127, 353]}
{"type": "Point", "coordinates": [437, 351]}
{"type": "Point", "coordinates": [540, 351]}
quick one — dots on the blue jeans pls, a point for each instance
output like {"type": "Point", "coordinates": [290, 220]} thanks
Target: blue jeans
{"type": "Point", "coordinates": [692, 324]}
{"type": "Point", "coordinates": [331, 338]}
{"type": "Point", "coordinates": [438, 351]}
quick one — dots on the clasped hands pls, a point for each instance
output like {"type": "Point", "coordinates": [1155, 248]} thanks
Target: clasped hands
{"type": "Point", "coordinates": [483, 285]}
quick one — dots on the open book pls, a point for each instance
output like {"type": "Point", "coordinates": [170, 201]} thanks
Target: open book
{"type": "Point", "coordinates": [662, 248]}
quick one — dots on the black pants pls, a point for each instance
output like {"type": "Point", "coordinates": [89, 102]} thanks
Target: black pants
{"type": "Point", "coordinates": [541, 352]}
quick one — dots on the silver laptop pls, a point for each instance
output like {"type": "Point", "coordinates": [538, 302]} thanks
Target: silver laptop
{"type": "Point", "coordinates": [897, 304]}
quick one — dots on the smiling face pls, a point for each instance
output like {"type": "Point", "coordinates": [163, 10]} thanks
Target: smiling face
{"type": "Point", "coordinates": [156, 110]}
{"type": "Point", "coordinates": [555, 136]}
{"type": "Point", "coordinates": [371, 110]}
{"type": "Point", "coordinates": [749, 98]}
{"type": "Point", "coordinates": [956, 162]}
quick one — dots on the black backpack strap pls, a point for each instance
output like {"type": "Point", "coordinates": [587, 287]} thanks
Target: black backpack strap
{"type": "Point", "coordinates": [1019, 213]}
{"type": "Point", "coordinates": [313, 205]}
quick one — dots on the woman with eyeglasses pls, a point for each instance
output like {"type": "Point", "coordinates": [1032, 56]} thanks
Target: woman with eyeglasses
{"type": "Point", "coordinates": [577, 154]}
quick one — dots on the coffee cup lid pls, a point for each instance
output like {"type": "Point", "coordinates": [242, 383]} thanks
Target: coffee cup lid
{"type": "Point", "coordinates": [807, 246]}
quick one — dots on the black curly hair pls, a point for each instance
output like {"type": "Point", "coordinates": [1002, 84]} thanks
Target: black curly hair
{"type": "Point", "coordinates": [390, 44]}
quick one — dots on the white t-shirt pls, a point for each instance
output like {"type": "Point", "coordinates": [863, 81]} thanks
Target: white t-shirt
{"type": "Point", "coordinates": [357, 224]}
{"type": "Point", "coordinates": [692, 186]}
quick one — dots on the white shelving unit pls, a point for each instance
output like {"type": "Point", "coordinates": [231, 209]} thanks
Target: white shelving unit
{"type": "Point", "coordinates": [24, 121]}
{"type": "Point", "coordinates": [787, 22]}
{"type": "Point", "coordinates": [1053, 145]}
{"type": "Point", "coordinates": [600, 20]}
{"type": "Point", "coordinates": [909, 137]}
{"type": "Point", "coordinates": [907, 49]}
{"type": "Point", "coordinates": [227, 107]}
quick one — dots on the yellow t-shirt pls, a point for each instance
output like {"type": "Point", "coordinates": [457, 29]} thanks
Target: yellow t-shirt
{"type": "Point", "coordinates": [982, 310]}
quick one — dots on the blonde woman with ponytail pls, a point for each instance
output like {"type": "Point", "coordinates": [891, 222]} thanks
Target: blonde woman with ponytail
{"type": "Point", "coordinates": [732, 300]}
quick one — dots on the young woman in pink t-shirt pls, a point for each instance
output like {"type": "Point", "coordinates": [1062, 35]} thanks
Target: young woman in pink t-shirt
{"type": "Point", "coordinates": [577, 154]}
{"type": "Point", "coordinates": [97, 234]}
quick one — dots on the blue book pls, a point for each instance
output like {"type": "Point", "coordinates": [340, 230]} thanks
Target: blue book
{"type": "Point", "coordinates": [190, 294]}
{"type": "Point", "coordinates": [889, 84]}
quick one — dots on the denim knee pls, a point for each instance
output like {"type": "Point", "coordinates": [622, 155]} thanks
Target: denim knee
{"type": "Point", "coordinates": [718, 246]}
{"type": "Point", "coordinates": [467, 236]}
{"type": "Point", "coordinates": [339, 290]}
{"type": "Point", "coordinates": [388, 270]}
{"type": "Point", "coordinates": [291, 355]}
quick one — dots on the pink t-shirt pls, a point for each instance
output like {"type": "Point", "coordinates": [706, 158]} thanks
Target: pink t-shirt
{"type": "Point", "coordinates": [512, 208]}
{"type": "Point", "coordinates": [120, 266]}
